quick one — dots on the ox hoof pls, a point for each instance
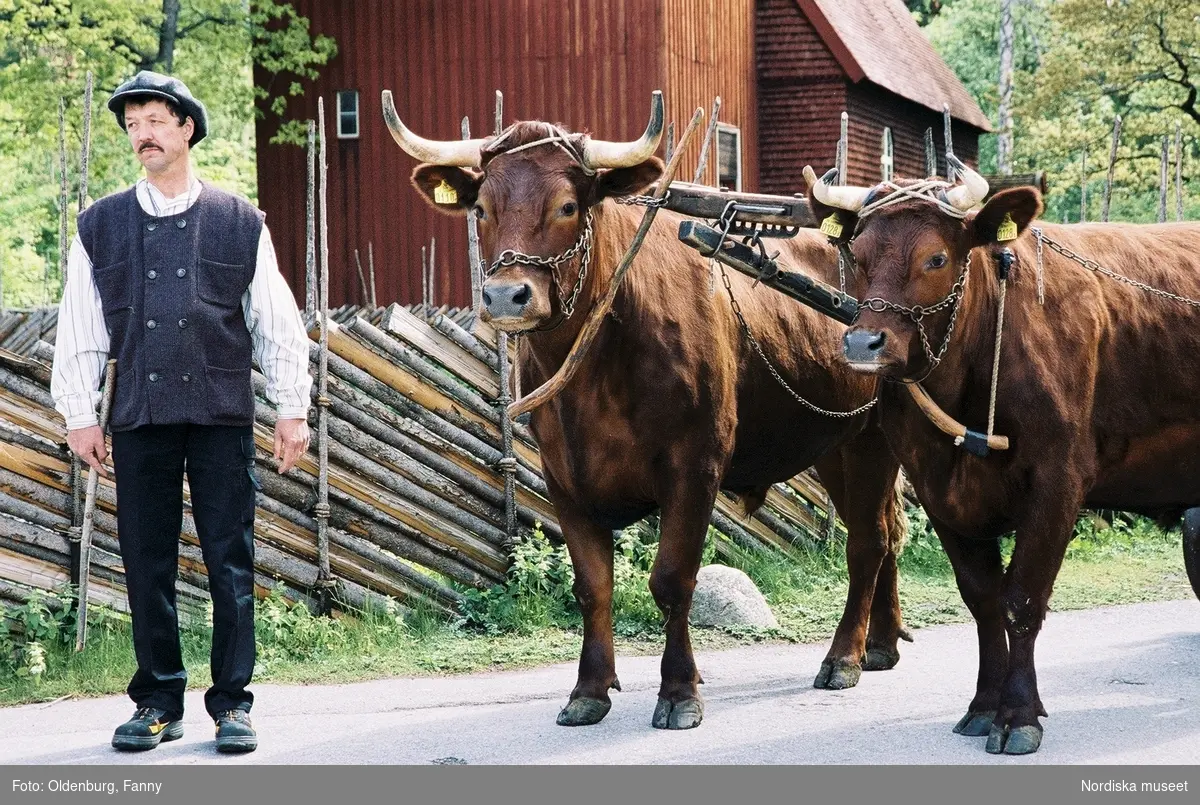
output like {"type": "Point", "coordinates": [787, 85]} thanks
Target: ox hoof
{"type": "Point", "coordinates": [684, 715]}
{"type": "Point", "coordinates": [837, 675]}
{"type": "Point", "coordinates": [582, 712]}
{"type": "Point", "coordinates": [975, 724]}
{"type": "Point", "coordinates": [880, 659]}
{"type": "Point", "coordinates": [1014, 740]}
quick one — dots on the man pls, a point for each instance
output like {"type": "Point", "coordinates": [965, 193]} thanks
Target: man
{"type": "Point", "coordinates": [178, 282]}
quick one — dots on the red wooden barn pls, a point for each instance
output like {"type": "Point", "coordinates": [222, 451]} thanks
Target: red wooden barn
{"type": "Point", "coordinates": [785, 70]}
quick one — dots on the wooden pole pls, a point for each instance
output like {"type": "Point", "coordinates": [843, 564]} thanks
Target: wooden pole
{"type": "Point", "coordinates": [1178, 172]}
{"type": "Point", "coordinates": [325, 582]}
{"type": "Point", "coordinates": [948, 135]}
{"type": "Point", "coordinates": [843, 149]}
{"type": "Point", "coordinates": [424, 282]}
{"type": "Point", "coordinates": [507, 464]}
{"type": "Point", "coordinates": [1083, 183]}
{"type": "Point", "coordinates": [371, 271]}
{"type": "Point", "coordinates": [86, 147]}
{"type": "Point", "coordinates": [1004, 140]}
{"type": "Point", "coordinates": [362, 281]}
{"type": "Point", "coordinates": [432, 281]}
{"type": "Point", "coordinates": [887, 160]}
{"type": "Point", "coordinates": [702, 163]}
{"type": "Point", "coordinates": [310, 240]}
{"type": "Point", "coordinates": [473, 243]}
{"type": "Point", "coordinates": [1112, 167]}
{"type": "Point", "coordinates": [62, 202]}
{"type": "Point", "coordinates": [591, 327]}
{"type": "Point", "coordinates": [89, 513]}
{"type": "Point", "coordinates": [670, 146]}
{"type": "Point", "coordinates": [1163, 182]}
{"type": "Point", "coordinates": [930, 155]}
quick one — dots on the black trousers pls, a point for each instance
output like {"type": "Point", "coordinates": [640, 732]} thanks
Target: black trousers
{"type": "Point", "coordinates": [150, 462]}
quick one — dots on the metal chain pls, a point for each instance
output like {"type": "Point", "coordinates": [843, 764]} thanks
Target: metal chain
{"type": "Point", "coordinates": [1092, 265]}
{"type": "Point", "coordinates": [737, 311]}
{"type": "Point", "coordinates": [582, 246]}
{"type": "Point", "coordinates": [916, 313]}
{"type": "Point", "coordinates": [646, 201]}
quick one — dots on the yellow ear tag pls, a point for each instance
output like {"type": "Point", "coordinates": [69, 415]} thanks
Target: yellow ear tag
{"type": "Point", "coordinates": [1007, 229]}
{"type": "Point", "coordinates": [445, 194]}
{"type": "Point", "coordinates": [832, 226]}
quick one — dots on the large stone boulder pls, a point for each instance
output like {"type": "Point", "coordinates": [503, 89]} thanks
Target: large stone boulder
{"type": "Point", "coordinates": [726, 597]}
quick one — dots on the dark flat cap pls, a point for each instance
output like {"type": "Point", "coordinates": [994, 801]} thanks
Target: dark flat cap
{"type": "Point", "coordinates": [147, 84]}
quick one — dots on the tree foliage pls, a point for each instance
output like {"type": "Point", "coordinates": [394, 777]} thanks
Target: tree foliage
{"type": "Point", "coordinates": [46, 49]}
{"type": "Point", "coordinates": [1077, 64]}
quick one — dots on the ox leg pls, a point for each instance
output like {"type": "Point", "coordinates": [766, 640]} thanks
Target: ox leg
{"type": "Point", "coordinates": [1028, 583]}
{"type": "Point", "coordinates": [861, 481]}
{"type": "Point", "coordinates": [591, 549]}
{"type": "Point", "coordinates": [979, 572]}
{"type": "Point", "coordinates": [672, 581]}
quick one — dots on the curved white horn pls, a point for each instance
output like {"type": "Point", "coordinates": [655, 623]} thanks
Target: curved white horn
{"type": "Point", "coordinates": [844, 197]}
{"type": "Point", "coordinates": [972, 190]}
{"type": "Point", "coordinates": [458, 153]}
{"type": "Point", "coordinates": [604, 154]}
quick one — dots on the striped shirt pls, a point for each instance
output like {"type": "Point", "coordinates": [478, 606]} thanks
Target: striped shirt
{"type": "Point", "coordinates": [277, 332]}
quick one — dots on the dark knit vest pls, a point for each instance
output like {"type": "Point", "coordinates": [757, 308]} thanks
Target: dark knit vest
{"type": "Point", "coordinates": [171, 290]}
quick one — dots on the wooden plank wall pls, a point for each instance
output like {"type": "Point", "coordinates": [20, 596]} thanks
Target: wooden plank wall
{"type": "Point", "coordinates": [708, 50]}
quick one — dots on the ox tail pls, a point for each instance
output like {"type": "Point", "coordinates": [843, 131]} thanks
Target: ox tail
{"type": "Point", "coordinates": [752, 500]}
{"type": "Point", "coordinates": [897, 519]}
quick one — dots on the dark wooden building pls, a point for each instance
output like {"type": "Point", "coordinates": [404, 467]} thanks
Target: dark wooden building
{"type": "Point", "coordinates": [816, 58]}
{"type": "Point", "coordinates": [785, 70]}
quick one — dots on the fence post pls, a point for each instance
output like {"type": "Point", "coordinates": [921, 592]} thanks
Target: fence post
{"type": "Point", "coordinates": [1112, 166]}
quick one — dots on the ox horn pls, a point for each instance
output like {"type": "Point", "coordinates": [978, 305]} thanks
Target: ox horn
{"type": "Point", "coordinates": [457, 153]}
{"type": "Point", "coordinates": [603, 154]}
{"type": "Point", "coordinates": [844, 197]}
{"type": "Point", "coordinates": [972, 190]}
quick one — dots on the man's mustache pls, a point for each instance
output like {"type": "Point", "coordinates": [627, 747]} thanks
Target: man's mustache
{"type": "Point", "coordinates": [148, 146]}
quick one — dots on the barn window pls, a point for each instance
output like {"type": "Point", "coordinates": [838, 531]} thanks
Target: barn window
{"type": "Point", "coordinates": [347, 114]}
{"type": "Point", "coordinates": [729, 157]}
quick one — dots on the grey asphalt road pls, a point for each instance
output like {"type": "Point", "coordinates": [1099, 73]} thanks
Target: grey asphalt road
{"type": "Point", "coordinates": [1122, 685]}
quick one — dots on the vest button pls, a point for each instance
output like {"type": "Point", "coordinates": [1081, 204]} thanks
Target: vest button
{"type": "Point", "coordinates": [183, 323]}
{"type": "Point", "coordinates": [181, 223]}
{"type": "Point", "coordinates": [152, 324]}
{"type": "Point", "coordinates": [154, 377]}
{"type": "Point", "coordinates": [150, 227]}
{"type": "Point", "coordinates": [187, 378]}
{"type": "Point", "coordinates": [152, 274]}
{"type": "Point", "coordinates": [181, 272]}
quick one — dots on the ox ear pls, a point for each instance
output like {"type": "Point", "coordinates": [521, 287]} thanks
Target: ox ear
{"type": "Point", "coordinates": [450, 190]}
{"type": "Point", "coordinates": [837, 224]}
{"type": "Point", "coordinates": [626, 181]}
{"type": "Point", "coordinates": [1017, 205]}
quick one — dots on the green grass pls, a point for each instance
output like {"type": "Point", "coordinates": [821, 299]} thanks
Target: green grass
{"type": "Point", "coordinates": [533, 620]}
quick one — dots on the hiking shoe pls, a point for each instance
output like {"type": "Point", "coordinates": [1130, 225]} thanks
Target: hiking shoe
{"type": "Point", "coordinates": [234, 732]}
{"type": "Point", "coordinates": [147, 729]}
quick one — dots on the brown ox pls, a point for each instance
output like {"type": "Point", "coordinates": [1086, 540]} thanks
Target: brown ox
{"type": "Point", "coordinates": [1097, 392]}
{"type": "Point", "coordinates": [669, 405]}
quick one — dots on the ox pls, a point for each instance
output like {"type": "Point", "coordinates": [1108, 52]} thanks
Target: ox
{"type": "Point", "coordinates": [670, 405]}
{"type": "Point", "coordinates": [1096, 390]}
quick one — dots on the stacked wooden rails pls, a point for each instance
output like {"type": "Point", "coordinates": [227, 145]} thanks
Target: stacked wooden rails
{"type": "Point", "coordinates": [417, 504]}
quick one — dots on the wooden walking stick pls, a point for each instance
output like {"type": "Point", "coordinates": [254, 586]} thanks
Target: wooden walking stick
{"type": "Point", "coordinates": [89, 513]}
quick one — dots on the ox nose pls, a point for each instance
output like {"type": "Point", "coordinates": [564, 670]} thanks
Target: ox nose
{"type": "Point", "coordinates": [506, 300]}
{"type": "Point", "coordinates": [863, 346]}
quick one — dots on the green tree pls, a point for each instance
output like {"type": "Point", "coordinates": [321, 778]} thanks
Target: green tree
{"type": "Point", "coordinates": [1077, 63]}
{"type": "Point", "coordinates": [48, 46]}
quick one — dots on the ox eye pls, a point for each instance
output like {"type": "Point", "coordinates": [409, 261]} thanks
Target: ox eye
{"type": "Point", "coordinates": [479, 213]}
{"type": "Point", "coordinates": [937, 261]}
{"type": "Point", "coordinates": [568, 209]}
